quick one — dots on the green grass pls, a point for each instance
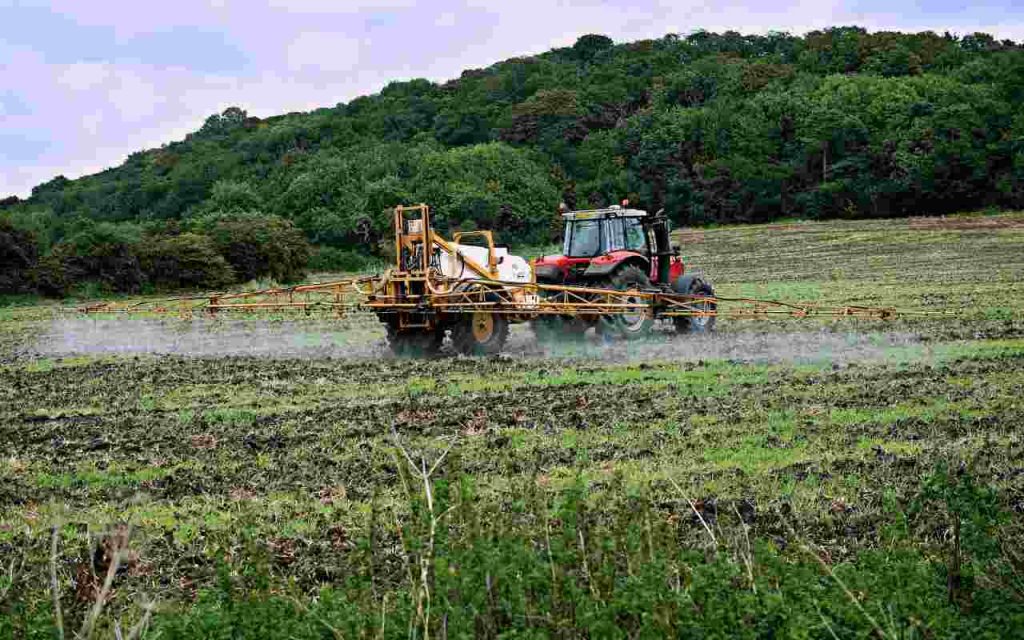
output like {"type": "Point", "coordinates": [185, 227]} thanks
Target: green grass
{"type": "Point", "coordinates": [98, 479]}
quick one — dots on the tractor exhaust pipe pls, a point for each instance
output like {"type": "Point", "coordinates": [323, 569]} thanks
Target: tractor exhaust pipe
{"type": "Point", "coordinates": [663, 246]}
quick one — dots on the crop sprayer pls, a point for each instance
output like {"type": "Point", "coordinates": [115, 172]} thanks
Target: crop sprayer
{"type": "Point", "coordinates": [618, 273]}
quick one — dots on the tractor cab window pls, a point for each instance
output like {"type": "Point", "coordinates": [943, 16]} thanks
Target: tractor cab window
{"type": "Point", "coordinates": [614, 240]}
{"type": "Point", "coordinates": [583, 239]}
{"type": "Point", "coordinates": [636, 238]}
{"type": "Point", "coordinates": [625, 234]}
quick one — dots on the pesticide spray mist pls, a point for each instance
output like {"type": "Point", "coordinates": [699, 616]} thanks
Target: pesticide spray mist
{"type": "Point", "coordinates": [363, 338]}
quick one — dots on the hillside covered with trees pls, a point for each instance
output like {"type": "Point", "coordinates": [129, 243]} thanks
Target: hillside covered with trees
{"type": "Point", "coordinates": [716, 128]}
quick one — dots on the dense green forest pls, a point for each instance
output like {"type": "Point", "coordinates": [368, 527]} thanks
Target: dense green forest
{"type": "Point", "coordinates": [716, 128]}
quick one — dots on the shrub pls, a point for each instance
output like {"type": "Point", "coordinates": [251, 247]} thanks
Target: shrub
{"type": "Point", "coordinates": [49, 276]}
{"type": "Point", "coordinates": [18, 256]}
{"type": "Point", "coordinates": [103, 253]}
{"type": "Point", "coordinates": [334, 259]}
{"type": "Point", "coordinates": [258, 245]}
{"type": "Point", "coordinates": [184, 261]}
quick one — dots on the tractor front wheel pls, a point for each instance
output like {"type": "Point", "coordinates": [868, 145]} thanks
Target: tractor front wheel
{"type": "Point", "coordinates": [480, 333]}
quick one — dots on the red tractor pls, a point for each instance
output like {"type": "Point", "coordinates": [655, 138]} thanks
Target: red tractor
{"type": "Point", "coordinates": [622, 249]}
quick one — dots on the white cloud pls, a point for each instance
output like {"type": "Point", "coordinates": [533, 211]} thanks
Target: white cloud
{"type": "Point", "coordinates": [91, 122]}
{"type": "Point", "coordinates": [336, 7]}
{"type": "Point", "coordinates": [118, 89]}
{"type": "Point", "coordinates": [322, 51]}
{"type": "Point", "coordinates": [83, 76]}
{"type": "Point", "coordinates": [132, 18]}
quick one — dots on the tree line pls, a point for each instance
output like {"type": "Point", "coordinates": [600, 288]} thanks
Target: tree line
{"type": "Point", "coordinates": [715, 128]}
{"type": "Point", "coordinates": [208, 252]}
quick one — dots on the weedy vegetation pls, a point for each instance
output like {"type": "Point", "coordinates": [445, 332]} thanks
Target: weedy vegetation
{"type": "Point", "coordinates": [565, 494]}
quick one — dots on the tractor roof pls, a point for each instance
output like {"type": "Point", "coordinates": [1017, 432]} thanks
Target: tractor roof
{"type": "Point", "coordinates": [613, 211]}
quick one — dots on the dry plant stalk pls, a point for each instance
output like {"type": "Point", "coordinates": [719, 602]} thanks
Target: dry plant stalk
{"type": "Point", "coordinates": [748, 555]}
{"type": "Point", "coordinates": [58, 615]}
{"type": "Point", "coordinates": [586, 567]}
{"type": "Point", "coordinates": [142, 624]}
{"type": "Point", "coordinates": [426, 558]}
{"type": "Point", "coordinates": [551, 558]}
{"type": "Point", "coordinates": [842, 585]}
{"type": "Point", "coordinates": [118, 553]}
{"type": "Point", "coordinates": [12, 576]}
{"type": "Point", "coordinates": [693, 507]}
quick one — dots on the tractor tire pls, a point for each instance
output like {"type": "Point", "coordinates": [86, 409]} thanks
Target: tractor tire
{"type": "Point", "coordinates": [627, 326]}
{"type": "Point", "coordinates": [696, 286]}
{"type": "Point", "coordinates": [414, 343]}
{"type": "Point", "coordinates": [480, 334]}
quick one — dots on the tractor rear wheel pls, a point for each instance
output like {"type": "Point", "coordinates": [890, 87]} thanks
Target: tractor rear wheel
{"type": "Point", "coordinates": [698, 324]}
{"type": "Point", "coordinates": [415, 343]}
{"type": "Point", "coordinates": [480, 333]}
{"type": "Point", "coordinates": [634, 324]}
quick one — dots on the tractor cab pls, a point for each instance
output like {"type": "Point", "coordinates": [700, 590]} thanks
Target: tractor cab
{"type": "Point", "coordinates": [591, 234]}
{"type": "Point", "coordinates": [598, 243]}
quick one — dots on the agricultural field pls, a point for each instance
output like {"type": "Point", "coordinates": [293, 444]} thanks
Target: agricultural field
{"type": "Point", "coordinates": [286, 477]}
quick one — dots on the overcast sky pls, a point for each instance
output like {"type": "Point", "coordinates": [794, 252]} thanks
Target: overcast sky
{"type": "Point", "coordinates": [83, 83]}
